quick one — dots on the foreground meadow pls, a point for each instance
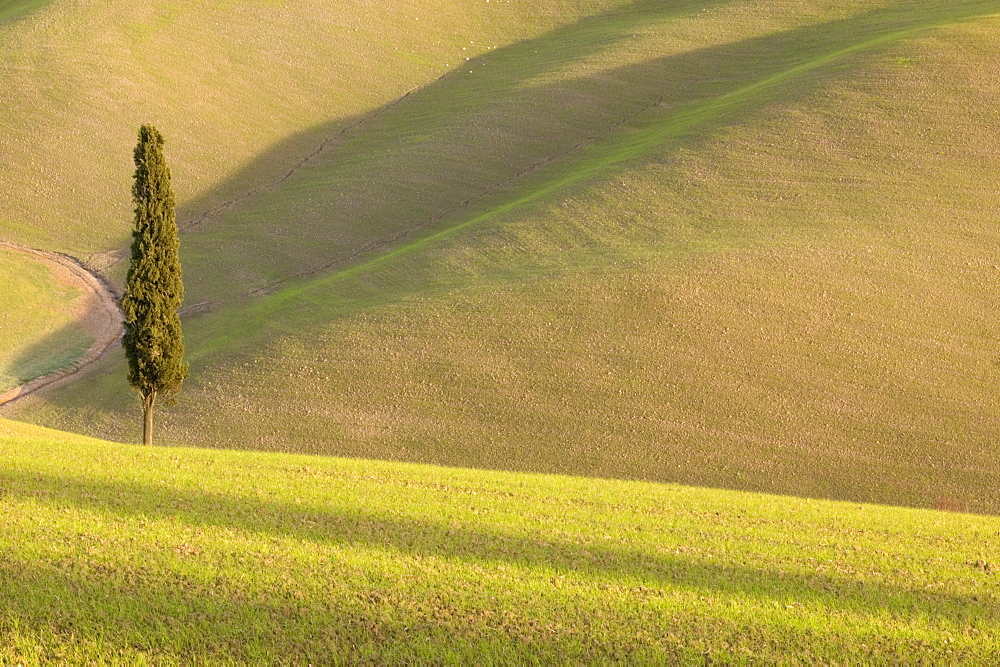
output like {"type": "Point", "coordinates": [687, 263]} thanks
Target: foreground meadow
{"type": "Point", "coordinates": [112, 553]}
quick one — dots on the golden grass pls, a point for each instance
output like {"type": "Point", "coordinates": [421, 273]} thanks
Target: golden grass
{"type": "Point", "coordinates": [794, 290]}
{"type": "Point", "coordinates": [223, 82]}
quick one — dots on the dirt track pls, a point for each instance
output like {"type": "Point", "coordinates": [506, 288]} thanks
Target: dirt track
{"type": "Point", "coordinates": [99, 315]}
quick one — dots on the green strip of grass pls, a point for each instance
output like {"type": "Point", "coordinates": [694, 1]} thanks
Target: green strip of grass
{"type": "Point", "coordinates": [618, 149]}
{"type": "Point", "coordinates": [640, 136]}
{"type": "Point", "coordinates": [113, 552]}
{"type": "Point", "coordinates": [13, 9]}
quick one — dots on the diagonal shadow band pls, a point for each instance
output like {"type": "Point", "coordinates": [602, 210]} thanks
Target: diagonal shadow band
{"type": "Point", "coordinates": [365, 204]}
{"type": "Point", "coordinates": [535, 57]}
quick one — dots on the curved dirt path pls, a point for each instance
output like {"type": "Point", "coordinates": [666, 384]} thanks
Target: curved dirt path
{"type": "Point", "coordinates": [99, 315]}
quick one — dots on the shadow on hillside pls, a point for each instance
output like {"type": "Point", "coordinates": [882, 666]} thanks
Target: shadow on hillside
{"type": "Point", "coordinates": [126, 612]}
{"type": "Point", "coordinates": [56, 351]}
{"type": "Point", "coordinates": [473, 544]}
{"type": "Point", "coordinates": [374, 180]}
{"type": "Point", "coordinates": [12, 11]}
{"type": "Point", "coordinates": [460, 146]}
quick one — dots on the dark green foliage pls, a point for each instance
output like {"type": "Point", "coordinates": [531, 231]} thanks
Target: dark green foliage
{"type": "Point", "coordinates": [153, 289]}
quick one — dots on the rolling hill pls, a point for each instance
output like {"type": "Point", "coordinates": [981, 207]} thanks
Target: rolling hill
{"type": "Point", "coordinates": [748, 245]}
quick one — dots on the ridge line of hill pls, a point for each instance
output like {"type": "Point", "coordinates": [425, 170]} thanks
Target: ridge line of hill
{"type": "Point", "coordinates": [392, 239]}
{"type": "Point", "coordinates": [103, 311]}
{"type": "Point", "coordinates": [683, 118]}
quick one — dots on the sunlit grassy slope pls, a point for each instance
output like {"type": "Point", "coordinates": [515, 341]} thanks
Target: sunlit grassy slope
{"type": "Point", "coordinates": [738, 244]}
{"type": "Point", "coordinates": [38, 321]}
{"type": "Point", "coordinates": [115, 553]}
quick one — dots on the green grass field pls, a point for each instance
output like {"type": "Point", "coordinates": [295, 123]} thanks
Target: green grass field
{"type": "Point", "coordinates": [14, 9]}
{"type": "Point", "coordinates": [39, 328]}
{"type": "Point", "coordinates": [117, 553]}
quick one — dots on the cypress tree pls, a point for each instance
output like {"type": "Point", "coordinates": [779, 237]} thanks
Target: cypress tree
{"type": "Point", "coordinates": [153, 290]}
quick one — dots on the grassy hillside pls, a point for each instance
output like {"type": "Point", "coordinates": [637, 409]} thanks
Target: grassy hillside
{"type": "Point", "coordinates": [225, 82]}
{"type": "Point", "coordinates": [39, 327]}
{"type": "Point", "coordinates": [119, 553]}
{"type": "Point", "coordinates": [736, 244]}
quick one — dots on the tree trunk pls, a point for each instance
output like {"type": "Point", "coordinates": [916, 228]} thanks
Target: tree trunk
{"type": "Point", "coordinates": [147, 421]}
